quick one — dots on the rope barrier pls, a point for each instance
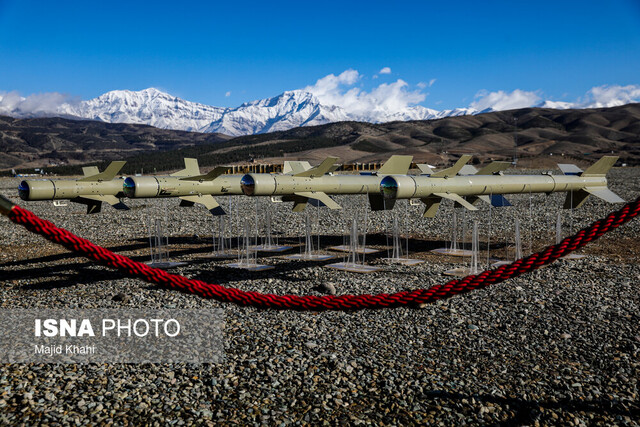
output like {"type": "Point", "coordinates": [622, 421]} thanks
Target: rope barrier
{"type": "Point", "coordinates": [412, 298]}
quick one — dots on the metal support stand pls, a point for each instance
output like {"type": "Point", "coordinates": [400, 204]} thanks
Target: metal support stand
{"type": "Point", "coordinates": [269, 244]}
{"type": "Point", "coordinates": [397, 252]}
{"type": "Point", "coordinates": [453, 250]}
{"type": "Point", "coordinates": [473, 267]}
{"type": "Point", "coordinates": [353, 262]}
{"type": "Point", "coordinates": [247, 255]}
{"type": "Point", "coordinates": [159, 241]}
{"type": "Point", "coordinates": [309, 253]}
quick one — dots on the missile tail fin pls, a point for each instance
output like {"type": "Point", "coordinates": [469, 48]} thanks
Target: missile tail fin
{"type": "Point", "coordinates": [569, 169]}
{"type": "Point", "coordinates": [396, 165]}
{"type": "Point", "coordinates": [605, 194]}
{"type": "Point", "coordinates": [292, 167]}
{"type": "Point", "coordinates": [453, 170]}
{"type": "Point", "coordinates": [425, 169]}
{"type": "Point", "coordinates": [493, 168]}
{"type": "Point", "coordinates": [319, 196]}
{"type": "Point", "coordinates": [213, 174]}
{"type": "Point", "coordinates": [432, 204]}
{"type": "Point", "coordinates": [109, 173]}
{"type": "Point", "coordinates": [319, 170]}
{"type": "Point", "coordinates": [90, 171]}
{"type": "Point", "coordinates": [456, 198]}
{"type": "Point", "coordinates": [575, 199]}
{"type": "Point", "coordinates": [379, 203]}
{"type": "Point", "coordinates": [94, 203]}
{"type": "Point", "coordinates": [206, 200]}
{"type": "Point", "coordinates": [601, 167]}
{"type": "Point", "coordinates": [191, 168]}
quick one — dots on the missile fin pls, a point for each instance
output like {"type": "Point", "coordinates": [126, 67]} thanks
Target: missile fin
{"type": "Point", "coordinates": [319, 170]}
{"type": "Point", "coordinates": [207, 201]}
{"type": "Point", "coordinates": [425, 169]}
{"type": "Point", "coordinates": [109, 173]}
{"type": "Point", "coordinates": [601, 167]}
{"type": "Point", "coordinates": [467, 170]}
{"type": "Point", "coordinates": [213, 174]}
{"type": "Point", "coordinates": [396, 165]}
{"type": "Point", "coordinates": [569, 169]}
{"type": "Point", "coordinates": [575, 199]}
{"type": "Point", "coordinates": [456, 198]}
{"type": "Point", "coordinates": [93, 205]}
{"type": "Point", "coordinates": [320, 196]}
{"type": "Point", "coordinates": [379, 203]}
{"type": "Point", "coordinates": [191, 168]}
{"type": "Point", "coordinates": [432, 204]}
{"type": "Point", "coordinates": [293, 167]}
{"type": "Point", "coordinates": [605, 194]}
{"type": "Point", "coordinates": [453, 170]}
{"type": "Point", "coordinates": [299, 205]}
{"type": "Point", "coordinates": [90, 170]}
{"type": "Point", "coordinates": [92, 200]}
{"type": "Point", "coordinates": [493, 168]}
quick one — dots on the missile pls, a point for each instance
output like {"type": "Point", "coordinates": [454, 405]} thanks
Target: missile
{"type": "Point", "coordinates": [188, 184]}
{"type": "Point", "coordinates": [490, 185]}
{"type": "Point", "coordinates": [302, 183]}
{"type": "Point", "coordinates": [91, 190]}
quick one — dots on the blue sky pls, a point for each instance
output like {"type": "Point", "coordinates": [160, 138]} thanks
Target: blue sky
{"type": "Point", "coordinates": [226, 53]}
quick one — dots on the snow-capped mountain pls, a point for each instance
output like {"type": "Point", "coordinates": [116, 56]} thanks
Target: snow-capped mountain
{"type": "Point", "coordinates": [286, 111]}
{"type": "Point", "coordinates": [149, 107]}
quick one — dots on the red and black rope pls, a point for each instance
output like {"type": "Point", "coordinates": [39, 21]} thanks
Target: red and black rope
{"type": "Point", "coordinates": [318, 303]}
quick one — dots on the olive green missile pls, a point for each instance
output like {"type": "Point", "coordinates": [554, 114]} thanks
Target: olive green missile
{"type": "Point", "coordinates": [490, 185]}
{"type": "Point", "coordinates": [188, 185]}
{"type": "Point", "coordinates": [302, 184]}
{"type": "Point", "coordinates": [91, 190]}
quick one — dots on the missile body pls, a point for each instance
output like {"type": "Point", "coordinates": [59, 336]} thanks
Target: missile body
{"type": "Point", "coordinates": [188, 185]}
{"type": "Point", "coordinates": [431, 190]}
{"type": "Point", "coordinates": [168, 186]}
{"type": "Point", "coordinates": [315, 185]}
{"type": "Point", "coordinates": [259, 184]}
{"type": "Point", "coordinates": [91, 190]}
{"type": "Point", "coordinates": [60, 189]}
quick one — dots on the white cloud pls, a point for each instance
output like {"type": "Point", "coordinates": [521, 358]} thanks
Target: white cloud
{"type": "Point", "coordinates": [385, 70]}
{"type": "Point", "coordinates": [610, 96]}
{"type": "Point", "coordinates": [431, 82]}
{"type": "Point", "coordinates": [502, 100]}
{"type": "Point", "coordinates": [228, 94]}
{"type": "Point", "coordinates": [421, 85]}
{"type": "Point", "coordinates": [387, 98]}
{"type": "Point", "coordinates": [40, 104]}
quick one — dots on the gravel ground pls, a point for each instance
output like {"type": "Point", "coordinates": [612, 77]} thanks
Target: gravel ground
{"type": "Point", "coordinates": [558, 346]}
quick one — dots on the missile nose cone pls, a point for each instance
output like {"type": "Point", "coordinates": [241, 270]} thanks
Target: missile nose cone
{"type": "Point", "coordinates": [23, 190]}
{"type": "Point", "coordinates": [248, 185]}
{"type": "Point", "coordinates": [129, 187]}
{"type": "Point", "coordinates": [389, 187]}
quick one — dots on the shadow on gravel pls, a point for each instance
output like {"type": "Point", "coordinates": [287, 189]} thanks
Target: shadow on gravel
{"type": "Point", "coordinates": [528, 411]}
{"type": "Point", "coordinates": [59, 276]}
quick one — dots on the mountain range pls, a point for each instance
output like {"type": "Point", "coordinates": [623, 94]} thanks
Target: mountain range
{"type": "Point", "coordinates": [291, 109]}
{"type": "Point", "coordinates": [288, 110]}
{"type": "Point", "coordinates": [542, 135]}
